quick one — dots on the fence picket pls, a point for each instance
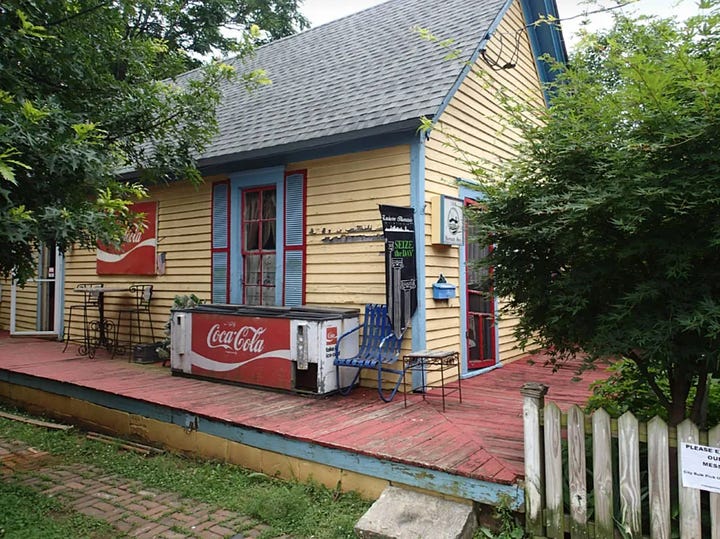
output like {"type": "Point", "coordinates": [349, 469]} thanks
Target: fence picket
{"type": "Point", "coordinates": [577, 473]}
{"type": "Point", "coordinates": [714, 440]}
{"type": "Point", "coordinates": [689, 498]}
{"type": "Point", "coordinates": [533, 403]}
{"type": "Point", "coordinates": [602, 474]}
{"type": "Point", "coordinates": [545, 468]}
{"type": "Point", "coordinates": [629, 462]}
{"type": "Point", "coordinates": [659, 479]}
{"type": "Point", "coordinates": [553, 473]}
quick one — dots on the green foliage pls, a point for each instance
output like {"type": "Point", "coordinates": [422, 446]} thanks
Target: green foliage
{"type": "Point", "coordinates": [627, 391]}
{"type": "Point", "coordinates": [87, 90]}
{"type": "Point", "coordinates": [289, 507]}
{"type": "Point", "coordinates": [606, 227]}
{"type": "Point", "coordinates": [508, 526]}
{"type": "Point", "coordinates": [179, 302]}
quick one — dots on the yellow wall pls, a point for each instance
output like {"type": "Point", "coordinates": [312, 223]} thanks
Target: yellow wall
{"type": "Point", "coordinates": [345, 247]}
{"type": "Point", "coordinates": [27, 298]}
{"type": "Point", "coordinates": [183, 233]}
{"type": "Point", "coordinates": [473, 116]}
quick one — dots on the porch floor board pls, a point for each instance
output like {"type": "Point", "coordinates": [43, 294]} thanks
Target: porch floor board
{"type": "Point", "coordinates": [480, 438]}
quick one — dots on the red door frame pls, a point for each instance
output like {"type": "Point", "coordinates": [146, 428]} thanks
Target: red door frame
{"type": "Point", "coordinates": [480, 323]}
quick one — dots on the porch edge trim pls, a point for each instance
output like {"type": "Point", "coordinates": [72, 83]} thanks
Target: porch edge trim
{"type": "Point", "coordinates": [425, 478]}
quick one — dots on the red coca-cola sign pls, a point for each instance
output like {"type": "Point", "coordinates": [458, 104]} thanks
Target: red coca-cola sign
{"type": "Point", "coordinates": [248, 350]}
{"type": "Point", "coordinates": [137, 254]}
{"type": "Point", "coordinates": [331, 335]}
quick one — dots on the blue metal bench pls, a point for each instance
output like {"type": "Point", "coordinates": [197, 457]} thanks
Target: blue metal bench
{"type": "Point", "coordinates": [379, 348]}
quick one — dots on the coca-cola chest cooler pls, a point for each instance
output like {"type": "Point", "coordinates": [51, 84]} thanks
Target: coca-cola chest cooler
{"type": "Point", "coordinates": [288, 348]}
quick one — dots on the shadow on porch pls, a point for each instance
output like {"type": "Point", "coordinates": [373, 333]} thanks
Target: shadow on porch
{"type": "Point", "coordinates": [473, 450]}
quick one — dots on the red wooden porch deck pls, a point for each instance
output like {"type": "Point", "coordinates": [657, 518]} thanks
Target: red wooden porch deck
{"type": "Point", "coordinates": [481, 438]}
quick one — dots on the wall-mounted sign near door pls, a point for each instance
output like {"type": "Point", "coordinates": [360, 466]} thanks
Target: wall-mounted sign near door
{"type": "Point", "coordinates": [447, 220]}
{"type": "Point", "coordinates": [400, 265]}
{"type": "Point", "coordinates": [137, 253]}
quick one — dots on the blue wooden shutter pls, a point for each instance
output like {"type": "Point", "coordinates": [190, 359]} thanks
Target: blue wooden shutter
{"type": "Point", "coordinates": [294, 262]}
{"type": "Point", "coordinates": [220, 251]}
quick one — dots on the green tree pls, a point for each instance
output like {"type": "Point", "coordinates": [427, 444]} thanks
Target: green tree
{"type": "Point", "coordinates": [606, 228]}
{"type": "Point", "coordinates": [87, 91]}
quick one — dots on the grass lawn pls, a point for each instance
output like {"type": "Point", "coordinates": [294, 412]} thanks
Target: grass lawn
{"type": "Point", "coordinates": [293, 508]}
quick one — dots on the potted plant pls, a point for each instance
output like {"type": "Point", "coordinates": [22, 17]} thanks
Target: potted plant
{"type": "Point", "coordinates": [180, 302]}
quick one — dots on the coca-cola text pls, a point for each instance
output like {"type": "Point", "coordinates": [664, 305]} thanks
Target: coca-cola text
{"type": "Point", "coordinates": [243, 339]}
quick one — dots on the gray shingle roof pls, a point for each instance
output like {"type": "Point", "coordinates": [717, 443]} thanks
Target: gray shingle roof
{"type": "Point", "coordinates": [364, 71]}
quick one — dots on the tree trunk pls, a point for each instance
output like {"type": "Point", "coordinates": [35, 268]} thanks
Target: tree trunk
{"type": "Point", "coordinates": [700, 403]}
{"type": "Point", "coordinates": [679, 390]}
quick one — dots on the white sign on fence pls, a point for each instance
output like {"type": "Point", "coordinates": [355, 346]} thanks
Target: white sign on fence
{"type": "Point", "coordinates": [700, 467]}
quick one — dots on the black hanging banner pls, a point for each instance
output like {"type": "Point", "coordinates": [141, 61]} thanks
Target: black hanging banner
{"type": "Point", "coordinates": [400, 266]}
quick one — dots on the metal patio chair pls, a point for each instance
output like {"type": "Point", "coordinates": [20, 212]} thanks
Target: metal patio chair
{"type": "Point", "coordinates": [141, 299]}
{"type": "Point", "coordinates": [90, 301]}
{"type": "Point", "coordinates": [379, 348]}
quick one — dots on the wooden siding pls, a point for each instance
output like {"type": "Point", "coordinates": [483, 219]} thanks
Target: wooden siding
{"type": "Point", "coordinates": [183, 234]}
{"type": "Point", "coordinates": [474, 117]}
{"type": "Point", "coordinates": [345, 246]}
{"type": "Point", "coordinates": [4, 304]}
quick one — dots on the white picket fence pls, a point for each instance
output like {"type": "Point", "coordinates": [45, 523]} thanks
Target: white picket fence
{"type": "Point", "coordinates": [544, 484]}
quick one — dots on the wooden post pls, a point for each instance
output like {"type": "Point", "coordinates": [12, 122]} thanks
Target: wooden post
{"type": "Point", "coordinates": [577, 473]}
{"type": "Point", "coordinates": [714, 440]}
{"type": "Point", "coordinates": [629, 462]}
{"type": "Point", "coordinates": [554, 510]}
{"type": "Point", "coordinates": [602, 474]}
{"type": "Point", "coordinates": [689, 497]}
{"type": "Point", "coordinates": [533, 403]}
{"type": "Point", "coordinates": [659, 479]}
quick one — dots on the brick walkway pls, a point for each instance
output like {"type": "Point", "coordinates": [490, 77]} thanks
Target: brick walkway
{"type": "Point", "coordinates": [125, 504]}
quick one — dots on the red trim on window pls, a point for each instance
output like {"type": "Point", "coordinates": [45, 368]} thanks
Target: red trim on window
{"type": "Point", "coordinates": [260, 251]}
{"type": "Point", "coordinates": [225, 249]}
{"type": "Point", "coordinates": [303, 244]}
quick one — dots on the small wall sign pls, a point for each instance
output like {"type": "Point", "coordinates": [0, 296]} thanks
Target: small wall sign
{"type": "Point", "coordinates": [447, 220]}
{"type": "Point", "coordinates": [700, 467]}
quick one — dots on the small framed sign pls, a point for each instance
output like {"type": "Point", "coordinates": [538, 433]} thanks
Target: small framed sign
{"type": "Point", "coordinates": [447, 220]}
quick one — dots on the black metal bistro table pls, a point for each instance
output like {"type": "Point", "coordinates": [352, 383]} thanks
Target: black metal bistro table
{"type": "Point", "coordinates": [100, 331]}
{"type": "Point", "coordinates": [434, 361]}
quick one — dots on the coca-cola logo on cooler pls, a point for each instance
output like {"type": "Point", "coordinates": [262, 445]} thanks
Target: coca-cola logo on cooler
{"type": "Point", "coordinates": [240, 339]}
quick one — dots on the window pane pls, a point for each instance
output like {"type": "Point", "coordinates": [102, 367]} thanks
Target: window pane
{"type": "Point", "coordinates": [252, 205]}
{"type": "Point", "coordinates": [268, 210]}
{"type": "Point", "coordinates": [268, 295]}
{"type": "Point", "coordinates": [252, 295]}
{"type": "Point", "coordinates": [251, 236]}
{"type": "Point", "coordinates": [252, 269]}
{"type": "Point", "coordinates": [268, 270]}
{"type": "Point", "coordinates": [268, 235]}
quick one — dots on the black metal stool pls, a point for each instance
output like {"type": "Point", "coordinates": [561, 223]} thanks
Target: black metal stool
{"type": "Point", "coordinates": [90, 301]}
{"type": "Point", "coordinates": [141, 300]}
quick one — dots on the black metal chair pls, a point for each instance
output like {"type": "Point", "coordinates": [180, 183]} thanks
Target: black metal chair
{"type": "Point", "coordinates": [90, 301]}
{"type": "Point", "coordinates": [141, 299]}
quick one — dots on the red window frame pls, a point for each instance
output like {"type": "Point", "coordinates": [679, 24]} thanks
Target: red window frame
{"type": "Point", "coordinates": [261, 252]}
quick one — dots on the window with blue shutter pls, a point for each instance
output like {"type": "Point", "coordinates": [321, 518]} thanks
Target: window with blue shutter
{"type": "Point", "coordinates": [220, 247]}
{"type": "Point", "coordinates": [294, 256]}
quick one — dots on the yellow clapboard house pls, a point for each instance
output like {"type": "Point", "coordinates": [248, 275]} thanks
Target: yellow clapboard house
{"type": "Point", "coordinates": [309, 158]}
